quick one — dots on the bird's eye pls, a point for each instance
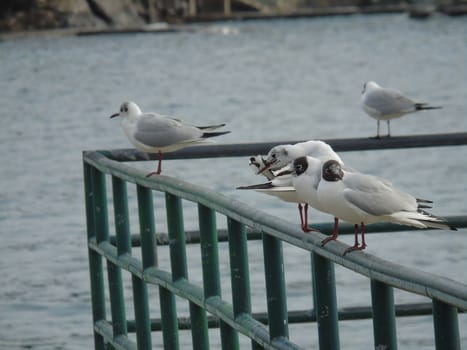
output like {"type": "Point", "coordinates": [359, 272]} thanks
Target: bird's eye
{"type": "Point", "coordinates": [273, 156]}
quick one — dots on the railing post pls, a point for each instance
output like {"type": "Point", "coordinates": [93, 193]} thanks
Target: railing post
{"type": "Point", "coordinates": [446, 326]}
{"type": "Point", "coordinates": [199, 323]}
{"type": "Point", "coordinates": [275, 287]}
{"type": "Point", "coordinates": [324, 291]}
{"type": "Point", "coordinates": [210, 262]}
{"type": "Point", "coordinates": [122, 229]}
{"type": "Point", "coordinates": [169, 322]}
{"type": "Point", "coordinates": [239, 270]}
{"type": "Point", "coordinates": [140, 293]}
{"type": "Point", "coordinates": [95, 201]}
{"type": "Point", "coordinates": [384, 316]}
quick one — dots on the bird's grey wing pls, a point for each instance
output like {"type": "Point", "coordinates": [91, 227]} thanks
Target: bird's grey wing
{"type": "Point", "coordinates": [388, 101]}
{"type": "Point", "coordinates": [377, 197]}
{"type": "Point", "coordinates": [159, 131]}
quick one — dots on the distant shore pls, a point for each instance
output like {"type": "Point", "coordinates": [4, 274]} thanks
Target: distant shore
{"type": "Point", "coordinates": [416, 10]}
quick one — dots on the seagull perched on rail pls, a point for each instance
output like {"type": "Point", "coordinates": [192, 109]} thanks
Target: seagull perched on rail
{"type": "Point", "coordinates": [386, 104]}
{"type": "Point", "coordinates": [362, 199]}
{"type": "Point", "coordinates": [155, 133]}
{"type": "Point", "coordinates": [277, 167]}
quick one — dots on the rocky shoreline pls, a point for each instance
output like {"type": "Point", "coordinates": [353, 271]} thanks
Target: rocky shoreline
{"type": "Point", "coordinates": [20, 18]}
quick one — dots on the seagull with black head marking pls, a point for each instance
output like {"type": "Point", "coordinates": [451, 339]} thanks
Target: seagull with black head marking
{"type": "Point", "coordinates": [362, 199]}
{"type": "Point", "coordinates": [386, 104]}
{"type": "Point", "coordinates": [278, 162]}
{"type": "Point", "coordinates": [155, 133]}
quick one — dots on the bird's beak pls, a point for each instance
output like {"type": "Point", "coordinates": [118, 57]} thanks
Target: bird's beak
{"type": "Point", "coordinates": [266, 167]}
{"type": "Point", "coordinates": [115, 115]}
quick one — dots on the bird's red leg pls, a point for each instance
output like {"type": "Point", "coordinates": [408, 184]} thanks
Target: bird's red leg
{"type": "Point", "coordinates": [305, 227]}
{"type": "Point", "coordinates": [300, 212]}
{"type": "Point", "coordinates": [335, 233]}
{"type": "Point", "coordinates": [363, 246]}
{"type": "Point", "coordinates": [159, 166]}
{"type": "Point", "coordinates": [355, 246]}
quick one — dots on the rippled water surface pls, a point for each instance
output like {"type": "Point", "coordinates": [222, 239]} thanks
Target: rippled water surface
{"type": "Point", "coordinates": [270, 80]}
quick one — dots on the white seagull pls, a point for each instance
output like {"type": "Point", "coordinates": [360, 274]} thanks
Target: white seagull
{"type": "Point", "coordinates": [386, 104]}
{"type": "Point", "coordinates": [155, 133]}
{"type": "Point", "coordinates": [306, 179]}
{"type": "Point", "coordinates": [278, 161]}
{"type": "Point", "coordinates": [363, 199]}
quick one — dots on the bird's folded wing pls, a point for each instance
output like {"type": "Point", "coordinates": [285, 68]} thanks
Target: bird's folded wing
{"type": "Point", "coordinates": [389, 101]}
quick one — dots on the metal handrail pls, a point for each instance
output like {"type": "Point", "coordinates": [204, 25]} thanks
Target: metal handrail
{"type": "Point", "coordinates": [448, 297]}
{"type": "Point", "coordinates": [396, 275]}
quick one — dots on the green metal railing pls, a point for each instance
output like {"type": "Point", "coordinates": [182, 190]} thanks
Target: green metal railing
{"type": "Point", "coordinates": [207, 307]}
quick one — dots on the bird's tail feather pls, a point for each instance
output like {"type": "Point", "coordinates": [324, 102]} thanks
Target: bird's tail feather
{"type": "Point", "coordinates": [426, 203]}
{"type": "Point", "coordinates": [421, 219]}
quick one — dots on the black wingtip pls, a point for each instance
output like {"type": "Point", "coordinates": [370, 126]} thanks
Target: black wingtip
{"type": "Point", "coordinates": [424, 106]}
{"type": "Point", "coordinates": [264, 186]}
{"type": "Point", "coordinates": [214, 133]}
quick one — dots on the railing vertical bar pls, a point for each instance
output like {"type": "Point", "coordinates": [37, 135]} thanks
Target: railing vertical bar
{"type": "Point", "coordinates": [176, 236]}
{"type": "Point", "coordinates": [239, 270]}
{"type": "Point", "coordinates": [142, 319]}
{"type": "Point", "coordinates": [384, 316]}
{"type": "Point", "coordinates": [275, 287]}
{"type": "Point", "coordinates": [95, 260]}
{"type": "Point", "coordinates": [210, 263]}
{"type": "Point", "coordinates": [140, 293]}
{"type": "Point", "coordinates": [100, 206]}
{"type": "Point", "coordinates": [169, 319]}
{"type": "Point", "coordinates": [199, 322]}
{"type": "Point", "coordinates": [117, 305]}
{"type": "Point", "coordinates": [147, 227]}
{"type": "Point", "coordinates": [117, 302]}
{"type": "Point", "coordinates": [324, 292]}
{"type": "Point", "coordinates": [446, 326]}
{"type": "Point", "coordinates": [122, 221]}
{"type": "Point", "coordinates": [209, 251]}
{"type": "Point", "coordinates": [199, 327]}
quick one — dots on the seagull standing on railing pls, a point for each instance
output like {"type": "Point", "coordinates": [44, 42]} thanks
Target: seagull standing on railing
{"type": "Point", "coordinates": [362, 199]}
{"type": "Point", "coordinates": [386, 104]}
{"type": "Point", "coordinates": [155, 133]}
{"type": "Point", "coordinates": [278, 168]}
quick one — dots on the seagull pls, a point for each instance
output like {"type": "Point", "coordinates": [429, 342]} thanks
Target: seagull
{"type": "Point", "coordinates": [363, 199]}
{"type": "Point", "coordinates": [306, 178]}
{"type": "Point", "coordinates": [386, 104]}
{"type": "Point", "coordinates": [279, 184]}
{"type": "Point", "coordinates": [155, 133]}
{"type": "Point", "coordinates": [280, 158]}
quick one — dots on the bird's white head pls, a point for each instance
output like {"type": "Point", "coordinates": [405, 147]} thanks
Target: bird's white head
{"type": "Point", "coordinates": [128, 110]}
{"type": "Point", "coordinates": [279, 156]}
{"type": "Point", "coordinates": [369, 85]}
